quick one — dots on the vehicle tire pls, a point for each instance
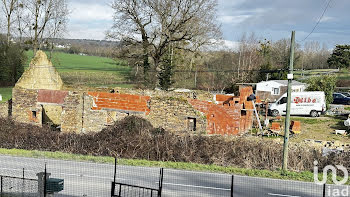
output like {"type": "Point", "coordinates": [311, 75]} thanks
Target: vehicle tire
{"type": "Point", "coordinates": [313, 113]}
{"type": "Point", "coordinates": [274, 113]}
{"type": "Point", "coordinates": [348, 102]}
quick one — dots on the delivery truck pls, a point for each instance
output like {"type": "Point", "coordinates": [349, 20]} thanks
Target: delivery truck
{"type": "Point", "coordinates": [303, 103]}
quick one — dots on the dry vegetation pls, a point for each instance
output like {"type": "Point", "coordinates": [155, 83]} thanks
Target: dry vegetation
{"type": "Point", "coordinates": [135, 138]}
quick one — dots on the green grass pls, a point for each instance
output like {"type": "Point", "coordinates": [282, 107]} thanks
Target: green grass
{"type": "Point", "coordinates": [6, 93]}
{"type": "Point", "coordinates": [299, 176]}
{"type": "Point", "coordinates": [309, 120]}
{"type": "Point", "coordinates": [347, 108]}
{"type": "Point", "coordinates": [93, 71]}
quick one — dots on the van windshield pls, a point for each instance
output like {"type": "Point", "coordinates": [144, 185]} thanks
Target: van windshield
{"type": "Point", "coordinates": [282, 100]}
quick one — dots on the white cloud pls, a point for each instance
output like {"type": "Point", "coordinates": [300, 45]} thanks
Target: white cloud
{"type": "Point", "coordinates": [89, 20]}
{"type": "Point", "coordinates": [327, 18]}
{"type": "Point", "coordinates": [232, 45]}
{"type": "Point", "coordinates": [222, 45]}
{"type": "Point", "coordinates": [226, 19]}
{"type": "Point", "coordinates": [91, 11]}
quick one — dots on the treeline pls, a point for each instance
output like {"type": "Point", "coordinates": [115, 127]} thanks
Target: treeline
{"type": "Point", "coordinates": [254, 60]}
{"type": "Point", "coordinates": [172, 44]}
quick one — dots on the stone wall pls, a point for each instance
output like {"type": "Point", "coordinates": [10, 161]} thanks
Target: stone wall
{"type": "Point", "coordinates": [198, 94]}
{"type": "Point", "coordinates": [72, 113]}
{"type": "Point", "coordinates": [52, 102]}
{"type": "Point", "coordinates": [52, 114]}
{"type": "Point", "coordinates": [4, 110]}
{"type": "Point", "coordinates": [176, 114]}
{"type": "Point", "coordinates": [25, 107]}
{"type": "Point", "coordinates": [84, 112]}
{"type": "Point", "coordinates": [94, 120]}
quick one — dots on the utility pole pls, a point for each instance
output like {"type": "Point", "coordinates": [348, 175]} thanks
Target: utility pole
{"type": "Point", "coordinates": [289, 99]}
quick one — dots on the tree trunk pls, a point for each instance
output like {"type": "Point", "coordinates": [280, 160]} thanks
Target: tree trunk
{"type": "Point", "coordinates": [8, 28]}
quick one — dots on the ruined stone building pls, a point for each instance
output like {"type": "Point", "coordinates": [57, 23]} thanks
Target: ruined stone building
{"type": "Point", "coordinates": [39, 97]}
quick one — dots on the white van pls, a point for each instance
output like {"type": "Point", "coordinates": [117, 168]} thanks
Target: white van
{"type": "Point", "coordinates": [303, 103]}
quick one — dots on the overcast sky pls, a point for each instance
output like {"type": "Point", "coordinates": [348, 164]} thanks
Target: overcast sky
{"type": "Point", "coordinates": [271, 19]}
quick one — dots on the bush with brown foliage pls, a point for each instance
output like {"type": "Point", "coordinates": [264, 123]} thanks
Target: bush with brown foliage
{"type": "Point", "coordinates": [135, 138]}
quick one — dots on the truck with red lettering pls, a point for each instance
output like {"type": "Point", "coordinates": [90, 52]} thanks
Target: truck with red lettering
{"type": "Point", "coordinates": [303, 103]}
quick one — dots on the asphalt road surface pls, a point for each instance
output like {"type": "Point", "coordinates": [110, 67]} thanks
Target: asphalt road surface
{"type": "Point", "coordinates": [93, 180]}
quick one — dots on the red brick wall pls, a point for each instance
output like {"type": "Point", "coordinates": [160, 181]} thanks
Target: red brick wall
{"type": "Point", "coordinates": [220, 119]}
{"type": "Point", "coordinates": [231, 116]}
{"type": "Point", "coordinates": [52, 96]}
{"type": "Point", "coordinates": [127, 102]}
{"type": "Point", "coordinates": [247, 117]}
{"type": "Point", "coordinates": [222, 97]}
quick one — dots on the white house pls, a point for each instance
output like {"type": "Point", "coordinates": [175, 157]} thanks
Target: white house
{"type": "Point", "coordinates": [273, 89]}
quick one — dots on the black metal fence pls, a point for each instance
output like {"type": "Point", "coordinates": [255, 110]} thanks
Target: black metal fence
{"type": "Point", "coordinates": [95, 179]}
{"type": "Point", "coordinates": [18, 186]}
{"type": "Point", "coordinates": [125, 190]}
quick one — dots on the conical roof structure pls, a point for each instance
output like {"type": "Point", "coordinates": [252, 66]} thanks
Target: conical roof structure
{"type": "Point", "coordinates": [40, 75]}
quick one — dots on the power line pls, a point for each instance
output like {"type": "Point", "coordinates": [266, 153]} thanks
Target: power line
{"type": "Point", "coordinates": [319, 20]}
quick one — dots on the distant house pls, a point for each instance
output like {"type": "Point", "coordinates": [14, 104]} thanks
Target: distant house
{"type": "Point", "coordinates": [274, 89]}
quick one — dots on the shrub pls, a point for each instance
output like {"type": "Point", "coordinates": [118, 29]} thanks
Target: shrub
{"type": "Point", "coordinates": [12, 59]}
{"type": "Point", "coordinates": [135, 138]}
{"type": "Point", "coordinates": [323, 83]}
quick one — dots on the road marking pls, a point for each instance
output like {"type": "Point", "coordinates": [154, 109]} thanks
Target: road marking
{"type": "Point", "coordinates": [271, 194]}
{"type": "Point", "coordinates": [78, 175]}
{"type": "Point", "coordinates": [90, 176]}
{"type": "Point", "coordinates": [196, 186]}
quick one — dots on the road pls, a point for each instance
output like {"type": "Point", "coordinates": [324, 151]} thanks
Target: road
{"type": "Point", "coordinates": [93, 179]}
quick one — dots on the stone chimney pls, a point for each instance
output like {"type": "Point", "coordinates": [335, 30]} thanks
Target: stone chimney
{"type": "Point", "coordinates": [40, 75]}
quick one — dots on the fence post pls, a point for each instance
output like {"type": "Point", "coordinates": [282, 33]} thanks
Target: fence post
{"type": "Point", "coordinates": [232, 179]}
{"type": "Point", "coordinates": [161, 182]}
{"type": "Point", "coordinates": [114, 177]}
{"type": "Point", "coordinates": [113, 189]}
{"type": "Point", "coordinates": [324, 190]}
{"type": "Point", "coordinates": [23, 182]}
{"type": "Point", "coordinates": [45, 177]}
{"type": "Point", "coordinates": [1, 185]}
{"type": "Point", "coordinates": [115, 168]}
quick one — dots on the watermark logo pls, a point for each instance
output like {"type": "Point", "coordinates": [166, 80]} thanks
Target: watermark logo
{"type": "Point", "coordinates": [332, 192]}
{"type": "Point", "coordinates": [334, 174]}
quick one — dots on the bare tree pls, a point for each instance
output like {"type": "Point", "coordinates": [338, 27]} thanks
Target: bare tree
{"type": "Point", "coordinates": [248, 58]}
{"type": "Point", "coordinates": [20, 16]}
{"type": "Point", "coordinates": [155, 25]}
{"type": "Point", "coordinates": [9, 7]}
{"type": "Point", "coordinates": [58, 25]}
{"type": "Point", "coordinates": [42, 15]}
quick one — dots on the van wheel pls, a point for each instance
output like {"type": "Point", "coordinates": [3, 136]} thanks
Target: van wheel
{"type": "Point", "coordinates": [274, 113]}
{"type": "Point", "coordinates": [313, 113]}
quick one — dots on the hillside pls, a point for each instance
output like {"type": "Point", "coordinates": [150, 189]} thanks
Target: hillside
{"type": "Point", "coordinates": [80, 70]}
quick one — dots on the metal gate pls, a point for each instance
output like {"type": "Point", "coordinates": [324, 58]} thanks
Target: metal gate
{"type": "Point", "coordinates": [129, 190]}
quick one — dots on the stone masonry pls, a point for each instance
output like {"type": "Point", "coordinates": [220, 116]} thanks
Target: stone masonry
{"type": "Point", "coordinates": [44, 100]}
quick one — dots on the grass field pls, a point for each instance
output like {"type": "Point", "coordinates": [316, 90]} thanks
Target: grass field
{"type": "Point", "coordinates": [320, 128]}
{"type": "Point", "coordinates": [341, 74]}
{"type": "Point", "coordinates": [90, 71]}
{"type": "Point", "coordinates": [77, 70]}
{"type": "Point", "coordinates": [6, 93]}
